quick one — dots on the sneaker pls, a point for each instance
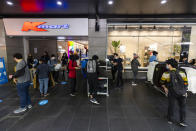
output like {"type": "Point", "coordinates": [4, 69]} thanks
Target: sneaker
{"type": "Point", "coordinates": [94, 101]}
{"type": "Point", "coordinates": [134, 84]}
{"type": "Point", "coordinates": [183, 124]}
{"type": "Point", "coordinates": [72, 94]}
{"type": "Point", "coordinates": [170, 122]}
{"type": "Point", "coordinates": [20, 110]}
{"type": "Point", "coordinates": [46, 95]}
{"type": "Point", "coordinates": [29, 106]}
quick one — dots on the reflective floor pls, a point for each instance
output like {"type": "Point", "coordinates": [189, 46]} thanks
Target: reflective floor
{"type": "Point", "coordinates": [139, 108]}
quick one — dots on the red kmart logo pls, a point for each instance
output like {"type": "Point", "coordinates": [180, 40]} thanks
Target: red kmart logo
{"type": "Point", "coordinates": [40, 26]}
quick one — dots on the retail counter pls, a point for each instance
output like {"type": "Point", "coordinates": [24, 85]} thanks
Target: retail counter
{"type": "Point", "coordinates": [128, 74]}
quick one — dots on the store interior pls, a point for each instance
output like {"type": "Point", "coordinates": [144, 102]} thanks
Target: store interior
{"type": "Point", "coordinates": [168, 40]}
{"type": "Point", "coordinates": [58, 46]}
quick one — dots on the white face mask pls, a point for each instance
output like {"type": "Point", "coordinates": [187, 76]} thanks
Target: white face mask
{"type": "Point", "coordinates": [167, 67]}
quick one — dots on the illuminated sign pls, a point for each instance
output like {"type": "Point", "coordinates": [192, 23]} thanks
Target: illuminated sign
{"type": "Point", "coordinates": [38, 26]}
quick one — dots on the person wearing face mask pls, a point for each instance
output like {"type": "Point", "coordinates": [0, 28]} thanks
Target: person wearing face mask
{"type": "Point", "coordinates": [52, 63]}
{"type": "Point", "coordinates": [175, 83]}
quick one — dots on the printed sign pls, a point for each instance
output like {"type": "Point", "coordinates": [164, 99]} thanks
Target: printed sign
{"type": "Point", "coordinates": [40, 26]}
{"type": "Point", "coordinates": [3, 74]}
{"type": "Point", "coordinates": [46, 27]}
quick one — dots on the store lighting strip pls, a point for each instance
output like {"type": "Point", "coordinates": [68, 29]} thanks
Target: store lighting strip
{"type": "Point", "coordinates": [113, 24]}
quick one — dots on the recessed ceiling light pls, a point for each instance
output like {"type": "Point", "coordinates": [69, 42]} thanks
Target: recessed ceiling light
{"type": "Point", "coordinates": [9, 3]}
{"type": "Point", "coordinates": [110, 2]}
{"type": "Point", "coordinates": [59, 3]}
{"type": "Point", "coordinates": [61, 38]}
{"type": "Point", "coordinates": [163, 1]}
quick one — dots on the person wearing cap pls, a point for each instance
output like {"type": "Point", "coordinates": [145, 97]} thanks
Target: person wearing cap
{"type": "Point", "coordinates": [134, 66]}
{"type": "Point", "coordinates": [153, 57]}
{"type": "Point", "coordinates": [167, 84]}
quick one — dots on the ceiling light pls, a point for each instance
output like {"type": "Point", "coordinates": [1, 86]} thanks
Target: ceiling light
{"type": "Point", "coordinates": [9, 3]}
{"type": "Point", "coordinates": [110, 2]}
{"type": "Point", "coordinates": [163, 1]}
{"type": "Point", "coordinates": [61, 38]}
{"type": "Point", "coordinates": [59, 3]}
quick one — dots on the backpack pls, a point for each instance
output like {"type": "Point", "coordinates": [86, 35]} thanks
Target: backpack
{"type": "Point", "coordinates": [91, 66]}
{"type": "Point", "coordinates": [83, 67]}
{"type": "Point", "coordinates": [177, 83]}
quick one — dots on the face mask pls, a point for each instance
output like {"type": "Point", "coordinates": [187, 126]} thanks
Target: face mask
{"type": "Point", "coordinates": [167, 67]}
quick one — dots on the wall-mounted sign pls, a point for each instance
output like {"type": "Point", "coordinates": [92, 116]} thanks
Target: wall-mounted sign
{"type": "Point", "coordinates": [46, 27]}
{"type": "Point", "coordinates": [40, 26]}
{"type": "Point", "coordinates": [3, 74]}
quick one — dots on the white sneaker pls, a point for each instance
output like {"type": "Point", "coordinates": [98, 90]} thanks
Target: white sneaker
{"type": "Point", "coordinates": [20, 110]}
{"type": "Point", "coordinates": [134, 84]}
{"type": "Point", "coordinates": [94, 101]}
{"type": "Point", "coordinates": [72, 95]}
{"type": "Point", "coordinates": [183, 124]}
{"type": "Point", "coordinates": [29, 106]}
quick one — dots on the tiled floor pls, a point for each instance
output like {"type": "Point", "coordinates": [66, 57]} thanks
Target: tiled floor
{"type": "Point", "coordinates": [139, 108]}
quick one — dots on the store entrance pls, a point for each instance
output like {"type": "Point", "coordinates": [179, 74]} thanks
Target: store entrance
{"type": "Point", "coordinates": [58, 46]}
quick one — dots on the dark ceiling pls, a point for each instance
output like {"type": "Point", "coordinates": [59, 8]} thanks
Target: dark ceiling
{"type": "Point", "coordinates": [89, 8]}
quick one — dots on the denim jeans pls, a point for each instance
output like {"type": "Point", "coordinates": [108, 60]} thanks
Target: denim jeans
{"type": "Point", "coordinates": [43, 85]}
{"type": "Point", "coordinates": [23, 92]}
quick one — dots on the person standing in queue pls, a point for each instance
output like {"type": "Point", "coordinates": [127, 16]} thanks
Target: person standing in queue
{"type": "Point", "coordinates": [72, 66]}
{"type": "Point", "coordinates": [134, 66]}
{"type": "Point", "coordinates": [114, 66]}
{"type": "Point", "coordinates": [92, 76]}
{"type": "Point", "coordinates": [153, 57]}
{"type": "Point", "coordinates": [119, 65]}
{"type": "Point", "coordinates": [22, 80]}
{"type": "Point", "coordinates": [30, 65]}
{"type": "Point", "coordinates": [46, 57]}
{"type": "Point", "coordinates": [43, 71]}
{"type": "Point", "coordinates": [52, 63]}
{"type": "Point", "coordinates": [175, 83]}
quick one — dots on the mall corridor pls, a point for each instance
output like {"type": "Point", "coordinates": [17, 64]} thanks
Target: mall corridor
{"type": "Point", "coordinates": [139, 108]}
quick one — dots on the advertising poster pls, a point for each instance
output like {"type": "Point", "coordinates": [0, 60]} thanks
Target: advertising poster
{"type": "Point", "coordinates": [3, 74]}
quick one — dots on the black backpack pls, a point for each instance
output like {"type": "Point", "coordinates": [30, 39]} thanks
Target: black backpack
{"type": "Point", "coordinates": [177, 83]}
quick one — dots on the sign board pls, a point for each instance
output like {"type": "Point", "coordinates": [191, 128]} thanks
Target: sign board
{"type": "Point", "coordinates": [46, 27]}
{"type": "Point", "coordinates": [3, 74]}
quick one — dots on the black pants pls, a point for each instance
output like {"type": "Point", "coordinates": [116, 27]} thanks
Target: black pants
{"type": "Point", "coordinates": [119, 78]}
{"type": "Point", "coordinates": [171, 106]}
{"type": "Point", "coordinates": [72, 85]}
{"type": "Point", "coordinates": [92, 86]}
{"type": "Point", "coordinates": [113, 74]}
{"type": "Point", "coordinates": [135, 72]}
{"type": "Point", "coordinates": [56, 76]}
